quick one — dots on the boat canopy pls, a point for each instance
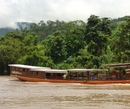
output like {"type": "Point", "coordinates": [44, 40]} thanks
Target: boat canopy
{"type": "Point", "coordinates": [49, 70]}
{"type": "Point", "coordinates": [87, 70]}
{"type": "Point", "coordinates": [118, 65]}
{"type": "Point", "coordinates": [39, 69]}
{"type": "Point", "coordinates": [26, 66]}
{"type": "Point", "coordinates": [56, 71]}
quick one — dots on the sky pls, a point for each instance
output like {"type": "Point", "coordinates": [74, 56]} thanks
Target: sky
{"type": "Point", "coordinates": [12, 11]}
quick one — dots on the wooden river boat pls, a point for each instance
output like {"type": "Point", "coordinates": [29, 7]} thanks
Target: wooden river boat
{"type": "Point", "coordinates": [82, 76]}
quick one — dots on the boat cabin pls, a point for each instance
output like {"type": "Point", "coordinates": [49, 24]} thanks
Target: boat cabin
{"type": "Point", "coordinates": [87, 74]}
{"type": "Point", "coordinates": [37, 72]}
{"type": "Point", "coordinates": [119, 71]}
{"type": "Point", "coordinates": [50, 73]}
{"type": "Point", "coordinates": [24, 70]}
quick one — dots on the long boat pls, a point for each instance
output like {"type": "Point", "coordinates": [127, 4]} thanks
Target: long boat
{"type": "Point", "coordinates": [82, 76]}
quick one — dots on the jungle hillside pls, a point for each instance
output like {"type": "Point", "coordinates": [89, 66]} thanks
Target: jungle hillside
{"type": "Point", "coordinates": [63, 45]}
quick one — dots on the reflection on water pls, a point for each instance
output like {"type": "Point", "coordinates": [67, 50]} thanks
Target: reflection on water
{"type": "Point", "coordinates": [15, 94]}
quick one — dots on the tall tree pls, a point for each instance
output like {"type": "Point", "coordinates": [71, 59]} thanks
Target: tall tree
{"type": "Point", "coordinates": [55, 46]}
{"type": "Point", "coordinates": [9, 53]}
{"type": "Point", "coordinates": [96, 37]}
{"type": "Point", "coordinates": [75, 37]}
{"type": "Point", "coordinates": [121, 43]}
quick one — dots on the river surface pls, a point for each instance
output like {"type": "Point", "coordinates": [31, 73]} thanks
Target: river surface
{"type": "Point", "coordinates": [15, 94]}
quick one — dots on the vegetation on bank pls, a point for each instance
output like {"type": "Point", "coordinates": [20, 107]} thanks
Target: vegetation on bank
{"type": "Point", "coordinates": [63, 45]}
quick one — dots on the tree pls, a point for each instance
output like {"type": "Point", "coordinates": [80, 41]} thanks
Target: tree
{"type": "Point", "coordinates": [8, 54]}
{"type": "Point", "coordinates": [63, 44]}
{"type": "Point", "coordinates": [14, 46]}
{"type": "Point", "coordinates": [37, 58]}
{"type": "Point", "coordinates": [74, 37]}
{"type": "Point", "coordinates": [121, 43]}
{"type": "Point", "coordinates": [55, 46]}
{"type": "Point", "coordinates": [96, 36]}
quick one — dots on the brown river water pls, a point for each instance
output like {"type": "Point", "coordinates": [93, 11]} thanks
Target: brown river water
{"type": "Point", "coordinates": [15, 94]}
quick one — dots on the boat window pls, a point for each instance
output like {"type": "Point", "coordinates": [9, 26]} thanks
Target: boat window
{"type": "Point", "coordinates": [20, 69]}
{"type": "Point", "coordinates": [48, 74]}
{"type": "Point", "coordinates": [13, 68]}
{"type": "Point", "coordinates": [16, 69]}
{"type": "Point", "coordinates": [34, 73]}
{"type": "Point", "coordinates": [59, 74]}
{"type": "Point", "coordinates": [24, 70]}
{"type": "Point", "coordinates": [52, 74]}
{"type": "Point", "coordinates": [73, 74]}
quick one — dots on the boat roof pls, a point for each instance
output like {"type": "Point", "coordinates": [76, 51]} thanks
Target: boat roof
{"type": "Point", "coordinates": [85, 70]}
{"type": "Point", "coordinates": [49, 70]}
{"type": "Point", "coordinates": [118, 65]}
{"type": "Point", "coordinates": [56, 71]}
{"type": "Point", "coordinates": [26, 66]}
{"type": "Point", "coordinates": [66, 71]}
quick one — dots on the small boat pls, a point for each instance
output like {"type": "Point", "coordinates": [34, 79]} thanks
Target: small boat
{"type": "Point", "coordinates": [82, 76]}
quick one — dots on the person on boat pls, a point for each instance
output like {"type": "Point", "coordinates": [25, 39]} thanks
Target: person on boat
{"type": "Point", "coordinates": [114, 74]}
{"type": "Point", "coordinates": [64, 76]}
{"type": "Point", "coordinates": [119, 75]}
{"type": "Point", "coordinates": [124, 73]}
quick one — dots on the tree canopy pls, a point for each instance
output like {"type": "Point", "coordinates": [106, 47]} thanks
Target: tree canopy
{"type": "Point", "coordinates": [63, 45]}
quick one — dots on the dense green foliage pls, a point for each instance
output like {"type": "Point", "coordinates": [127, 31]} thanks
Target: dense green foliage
{"type": "Point", "coordinates": [63, 45]}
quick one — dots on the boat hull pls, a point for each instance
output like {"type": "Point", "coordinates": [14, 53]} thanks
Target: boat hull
{"type": "Point", "coordinates": [22, 78]}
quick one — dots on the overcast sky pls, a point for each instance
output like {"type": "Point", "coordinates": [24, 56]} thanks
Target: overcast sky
{"type": "Point", "coordinates": [12, 11]}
